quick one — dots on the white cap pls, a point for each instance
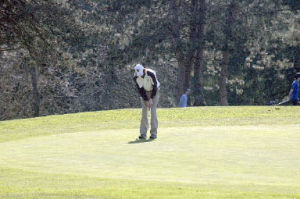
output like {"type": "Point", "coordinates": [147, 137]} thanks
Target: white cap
{"type": "Point", "coordinates": [139, 70]}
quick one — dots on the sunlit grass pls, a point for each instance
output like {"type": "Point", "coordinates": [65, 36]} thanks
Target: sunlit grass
{"type": "Point", "coordinates": [129, 118]}
{"type": "Point", "coordinates": [205, 152]}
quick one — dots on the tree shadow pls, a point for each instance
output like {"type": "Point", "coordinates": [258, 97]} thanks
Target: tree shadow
{"type": "Point", "coordinates": [140, 141]}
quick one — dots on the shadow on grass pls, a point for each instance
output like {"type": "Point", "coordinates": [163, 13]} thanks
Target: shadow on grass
{"type": "Point", "coordinates": [140, 141]}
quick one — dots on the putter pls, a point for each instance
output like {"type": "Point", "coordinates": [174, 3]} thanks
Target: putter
{"type": "Point", "coordinates": [283, 102]}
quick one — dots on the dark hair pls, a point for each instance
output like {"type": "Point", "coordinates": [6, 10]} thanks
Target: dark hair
{"type": "Point", "coordinates": [297, 75]}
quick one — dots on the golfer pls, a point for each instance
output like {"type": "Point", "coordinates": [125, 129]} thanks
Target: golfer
{"type": "Point", "coordinates": [294, 92]}
{"type": "Point", "coordinates": [148, 88]}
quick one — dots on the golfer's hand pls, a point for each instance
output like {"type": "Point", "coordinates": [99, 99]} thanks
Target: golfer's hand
{"type": "Point", "coordinates": [149, 103]}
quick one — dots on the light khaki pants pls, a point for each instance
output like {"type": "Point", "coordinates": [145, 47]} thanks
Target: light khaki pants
{"type": "Point", "coordinates": [154, 122]}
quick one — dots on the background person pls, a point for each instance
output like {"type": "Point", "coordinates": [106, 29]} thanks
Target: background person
{"type": "Point", "coordinates": [294, 92]}
{"type": "Point", "coordinates": [183, 102]}
{"type": "Point", "coordinates": [148, 87]}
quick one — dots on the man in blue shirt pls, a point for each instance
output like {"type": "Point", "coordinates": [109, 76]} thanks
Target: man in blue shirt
{"type": "Point", "coordinates": [294, 92]}
{"type": "Point", "coordinates": [184, 99]}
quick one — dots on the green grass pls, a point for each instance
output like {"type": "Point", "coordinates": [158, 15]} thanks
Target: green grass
{"type": "Point", "coordinates": [205, 152]}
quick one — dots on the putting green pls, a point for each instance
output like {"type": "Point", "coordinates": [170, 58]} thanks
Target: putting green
{"type": "Point", "coordinates": [223, 155]}
{"type": "Point", "coordinates": [201, 152]}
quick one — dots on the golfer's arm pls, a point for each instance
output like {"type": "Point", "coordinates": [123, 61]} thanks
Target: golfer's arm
{"type": "Point", "coordinates": [141, 91]}
{"type": "Point", "coordinates": [154, 90]}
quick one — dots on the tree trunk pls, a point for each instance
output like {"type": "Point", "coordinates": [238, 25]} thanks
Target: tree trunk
{"type": "Point", "coordinates": [35, 91]}
{"type": "Point", "coordinates": [180, 74]}
{"type": "Point", "coordinates": [229, 20]}
{"type": "Point", "coordinates": [187, 71]}
{"type": "Point", "coordinates": [179, 52]}
{"type": "Point", "coordinates": [198, 82]}
{"type": "Point", "coordinates": [223, 79]}
{"type": "Point", "coordinates": [194, 9]}
{"type": "Point", "coordinates": [198, 63]}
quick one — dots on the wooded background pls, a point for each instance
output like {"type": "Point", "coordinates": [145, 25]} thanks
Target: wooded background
{"type": "Point", "coordinates": [66, 56]}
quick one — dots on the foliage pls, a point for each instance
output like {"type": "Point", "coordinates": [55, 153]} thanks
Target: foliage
{"type": "Point", "coordinates": [71, 56]}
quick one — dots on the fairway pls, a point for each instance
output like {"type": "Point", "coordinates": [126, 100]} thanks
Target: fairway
{"type": "Point", "coordinates": [210, 152]}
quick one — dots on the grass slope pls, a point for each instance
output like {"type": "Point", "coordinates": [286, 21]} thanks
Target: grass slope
{"type": "Point", "coordinates": [207, 152]}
